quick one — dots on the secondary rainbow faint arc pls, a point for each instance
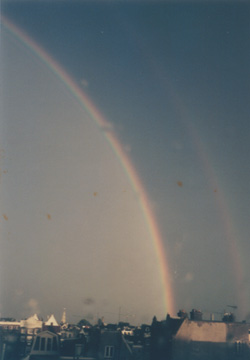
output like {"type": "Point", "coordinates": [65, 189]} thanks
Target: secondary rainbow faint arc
{"type": "Point", "coordinates": [118, 150]}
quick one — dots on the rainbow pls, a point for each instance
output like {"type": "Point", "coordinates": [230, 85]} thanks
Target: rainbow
{"type": "Point", "coordinates": [220, 199]}
{"type": "Point", "coordinates": [117, 148]}
{"type": "Point", "coordinates": [226, 218]}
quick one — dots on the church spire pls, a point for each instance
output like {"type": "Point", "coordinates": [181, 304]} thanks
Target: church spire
{"type": "Point", "coordinates": [63, 321]}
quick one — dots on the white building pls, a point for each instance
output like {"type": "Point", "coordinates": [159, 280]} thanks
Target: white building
{"type": "Point", "coordinates": [29, 328]}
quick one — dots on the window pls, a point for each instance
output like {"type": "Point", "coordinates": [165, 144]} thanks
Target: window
{"type": "Point", "coordinates": [49, 344]}
{"type": "Point", "coordinates": [37, 343]}
{"type": "Point", "coordinates": [79, 349]}
{"type": "Point", "coordinates": [109, 352]}
{"type": "Point", "coordinates": [54, 344]}
{"type": "Point", "coordinates": [42, 344]}
{"type": "Point", "coordinates": [238, 348]}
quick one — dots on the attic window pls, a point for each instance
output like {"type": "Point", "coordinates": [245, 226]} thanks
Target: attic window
{"type": "Point", "coordinates": [37, 343]}
{"type": "Point", "coordinates": [238, 347]}
{"type": "Point", "coordinates": [49, 344]}
{"type": "Point", "coordinates": [54, 344]}
{"type": "Point", "coordinates": [42, 344]}
{"type": "Point", "coordinates": [109, 352]}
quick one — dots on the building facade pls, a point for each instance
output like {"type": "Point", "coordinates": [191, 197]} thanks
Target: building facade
{"type": "Point", "coordinates": [210, 340]}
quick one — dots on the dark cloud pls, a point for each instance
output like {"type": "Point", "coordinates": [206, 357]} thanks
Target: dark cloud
{"type": "Point", "coordinates": [88, 301]}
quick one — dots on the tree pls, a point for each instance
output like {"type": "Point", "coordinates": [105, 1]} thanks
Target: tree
{"type": "Point", "coordinates": [83, 322]}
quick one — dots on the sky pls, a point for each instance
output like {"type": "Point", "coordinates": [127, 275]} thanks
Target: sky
{"type": "Point", "coordinates": [171, 79]}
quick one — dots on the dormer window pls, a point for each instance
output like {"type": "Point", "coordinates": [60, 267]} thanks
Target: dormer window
{"type": "Point", "coordinates": [109, 352]}
{"type": "Point", "coordinates": [45, 344]}
{"type": "Point", "coordinates": [238, 347]}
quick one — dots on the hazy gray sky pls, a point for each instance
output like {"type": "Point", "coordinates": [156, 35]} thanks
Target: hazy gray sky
{"type": "Point", "coordinates": [173, 82]}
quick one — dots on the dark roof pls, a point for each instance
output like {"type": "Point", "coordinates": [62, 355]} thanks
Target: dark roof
{"type": "Point", "coordinates": [174, 324]}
